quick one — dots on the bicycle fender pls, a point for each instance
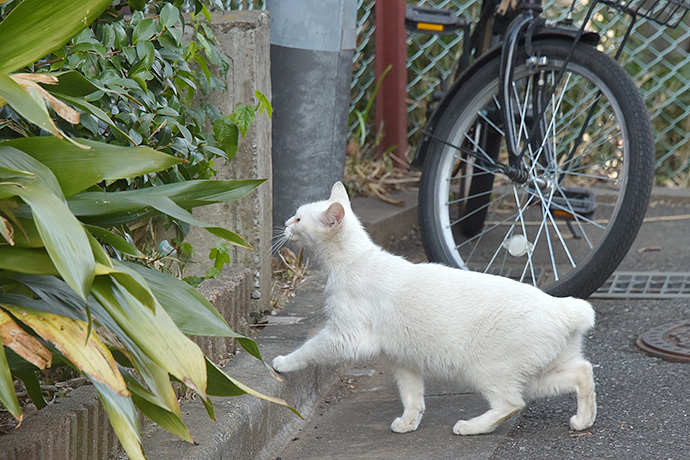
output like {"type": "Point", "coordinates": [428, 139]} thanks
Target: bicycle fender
{"type": "Point", "coordinates": [549, 32]}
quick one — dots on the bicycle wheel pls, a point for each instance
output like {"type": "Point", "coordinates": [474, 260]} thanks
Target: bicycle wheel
{"type": "Point", "coordinates": [590, 171]}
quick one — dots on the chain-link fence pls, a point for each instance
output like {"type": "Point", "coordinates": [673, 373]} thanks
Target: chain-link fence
{"type": "Point", "coordinates": [657, 58]}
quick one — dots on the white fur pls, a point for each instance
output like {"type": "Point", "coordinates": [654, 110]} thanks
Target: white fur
{"type": "Point", "coordinates": [506, 339]}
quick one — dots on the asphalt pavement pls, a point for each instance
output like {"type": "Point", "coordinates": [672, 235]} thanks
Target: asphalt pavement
{"type": "Point", "coordinates": [643, 401]}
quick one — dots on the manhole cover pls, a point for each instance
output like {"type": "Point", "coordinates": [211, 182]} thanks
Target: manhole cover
{"type": "Point", "coordinates": [670, 342]}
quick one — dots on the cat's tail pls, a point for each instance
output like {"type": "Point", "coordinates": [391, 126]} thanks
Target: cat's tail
{"type": "Point", "coordinates": [580, 314]}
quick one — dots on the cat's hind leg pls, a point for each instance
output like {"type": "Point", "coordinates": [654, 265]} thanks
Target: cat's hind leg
{"type": "Point", "coordinates": [411, 387]}
{"type": "Point", "coordinates": [570, 375]}
{"type": "Point", "coordinates": [503, 405]}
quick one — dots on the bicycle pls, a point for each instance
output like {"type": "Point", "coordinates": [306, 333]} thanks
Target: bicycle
{"type": "Point", "coordinates": [538, 161]}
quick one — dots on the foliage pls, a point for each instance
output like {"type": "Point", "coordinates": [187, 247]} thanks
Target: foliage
{"type": "Point", "coordinates": [144, 83]}
{"type": "Point", "coordinates": [220, 257]}
{"type": "Point", "coordinates": [62, 296]}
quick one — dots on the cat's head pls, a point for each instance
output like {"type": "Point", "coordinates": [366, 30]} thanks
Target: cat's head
{"type": "Point", "coordinates": [316, 222]}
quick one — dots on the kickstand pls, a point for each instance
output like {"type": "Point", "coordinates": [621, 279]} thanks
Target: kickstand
{"type": "Point", "coordinates": [572, 230]}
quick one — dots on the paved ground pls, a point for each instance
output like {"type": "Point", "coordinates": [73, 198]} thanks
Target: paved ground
{"type": "Point", "coordinates": [644, 402]}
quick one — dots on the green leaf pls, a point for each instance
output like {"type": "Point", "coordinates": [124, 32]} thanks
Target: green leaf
{"type": "Point", "coordinates": [33, 387]}
{"type": "Point", "coordinates": [8, 397]}
{"type": "Point", "coordinates": [72, 83]}
{"type": "Point", "coordinates": [155, 334]}
{"type": "Point", "coordinates": [157, 379]}
{"type": "Point", "coordinates": [124, 420]}
{"type": "Point", "coordinates": [264, 103]}
{"type": "Point", "coordinates": [62, 234]}
{"type": "Point", "coordinates": [190, 310]}
{"type": "Point", "coordinates": [35, 28]}
{"type": "Point", "coordinates": [149, 405]}
{"type": "Point", "coordinates": [145, 30]}
{"type": "Point", "coordinates": [227, 134]}
{"type": "Point", "coordinates": [221, 384]}
{"type": "Point", "coordinates": [137, 5]}
{"type": "Point", "coordinates": [120, 207]}
{"type": "Point", "coordinates": [24, 104]}
{"type": "Point", "coordinates": [29, 261]}
{"type": "Point", "coordinates": [114, 240]}
{"type": "Point", "coordinates": [169, 16]}
{"type": "Point", "coordinates": [100, 162]}
{"type": "Point", "coordinates": [48, 303]}
{"type": "Point", "coordinates": [244, 116]}
{"type": "Point", "coordinates": [145, 51]}
{"type": "Point", "coordinates": [18, 164]}
{"type": "Point", "coordinates": [228, 235]}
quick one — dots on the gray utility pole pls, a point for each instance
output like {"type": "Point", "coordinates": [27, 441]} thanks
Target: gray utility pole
{"type": "Point", "coordinates": [312, 46]}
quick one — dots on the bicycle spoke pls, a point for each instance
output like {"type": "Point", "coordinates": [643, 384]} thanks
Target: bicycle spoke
{"type": "Point", "coordinates": [473, 212]}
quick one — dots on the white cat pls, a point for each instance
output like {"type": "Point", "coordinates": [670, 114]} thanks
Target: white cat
{"type": "Point", "coordinates": [506, 339]}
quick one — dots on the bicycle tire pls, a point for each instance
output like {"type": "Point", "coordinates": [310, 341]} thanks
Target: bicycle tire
{"type": "Point", "coordinates": [611, 170]}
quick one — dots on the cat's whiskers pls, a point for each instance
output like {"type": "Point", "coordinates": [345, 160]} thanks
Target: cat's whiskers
{"type": "Point", "coordinates": [279, 240]}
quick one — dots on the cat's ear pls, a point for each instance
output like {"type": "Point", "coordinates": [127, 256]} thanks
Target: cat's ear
{"type": "Point", "coordinates": [333, 216]}
{"type": "Point", "coordinates": [339, 193]}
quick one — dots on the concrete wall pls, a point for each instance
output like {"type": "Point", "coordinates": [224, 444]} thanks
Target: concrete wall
{"type": "Point", "coordinates": [244, 39]}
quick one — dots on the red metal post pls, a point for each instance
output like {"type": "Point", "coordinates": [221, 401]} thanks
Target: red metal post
{"type": "Point", "coordinates": [391, 50]}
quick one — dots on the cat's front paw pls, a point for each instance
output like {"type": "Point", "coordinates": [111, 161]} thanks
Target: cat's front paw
{"type": "Point", "coordinates": [400, 425]}
{"type": "Point", "coordinates": [279, 364]}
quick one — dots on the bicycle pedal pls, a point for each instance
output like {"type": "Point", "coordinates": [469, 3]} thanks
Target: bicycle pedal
{"type": "Point", "coordinates": [578, 202]}
{"type": "Point", "coordinates": [439, 21]}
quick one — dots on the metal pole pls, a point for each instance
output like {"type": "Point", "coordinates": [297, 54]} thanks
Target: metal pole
{"type": "Point", "coordinates": [391, 107]}
{"type": "Point", "coordinates": [312, 46]}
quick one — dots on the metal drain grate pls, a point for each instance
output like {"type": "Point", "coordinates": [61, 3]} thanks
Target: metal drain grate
{"type": "Point", "coordinates": [645, 285]}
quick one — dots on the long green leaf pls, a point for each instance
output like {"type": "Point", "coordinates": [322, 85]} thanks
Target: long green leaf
{"type": "Point", "coordinates": [25, 105]}
{"type": "Point", "coordinates": [155, 334]}
{"type": "Point", "coordinates": [8, 397]}
{"type": "Point", "coordinates": [221, 384]}
{"type": "Point", "coordinates": [46, 304]}
{"type": "Point", "coordinates": [15, 159]}
{"type": "Point", "coordinates": [57, 297]}
{"type": "Point", "coordinates": [148, 404]}
{"type": "Point", "coordinates": [190, 310]}
{"type": "Point", "coordinates": [165, 205]}
{"type": "Point", "coordinates": [35, 28]}
{"type": "Point", "coordinates": [100, 162]}
{"type": "Point", "coordinates": [73, 84]}
{"type": "Point", "coordinates": [29, 261]}
{"type": "Point", "coordinates": [115, 240]}
{"type": "Point", "coordinates": [124, 420]}
{"type": "Point", "coordinates": [33, 388]}
{"type": "Point", "coordinates": [120, 207]}
{"type": "Point", "coordinates": [132, 281]}
{"type": "Point", "coordinates": [62, 234]}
